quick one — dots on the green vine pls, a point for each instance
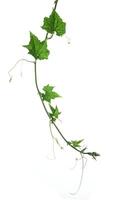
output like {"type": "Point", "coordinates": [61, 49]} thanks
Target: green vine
{"type": "Point", "coordinates": [53, 25]}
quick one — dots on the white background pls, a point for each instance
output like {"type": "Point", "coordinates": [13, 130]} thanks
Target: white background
{"type": "Point", "coordinates": [84, 74]}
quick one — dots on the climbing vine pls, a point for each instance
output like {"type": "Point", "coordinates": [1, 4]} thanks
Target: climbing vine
{"type": "Point", "coordinates": [52, 25]}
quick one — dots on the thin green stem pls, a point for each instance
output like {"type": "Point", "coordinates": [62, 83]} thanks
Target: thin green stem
{"type": "Point", "coordinates": [93, 154]}
{"type": "Point", "coordinates": [36, 83]}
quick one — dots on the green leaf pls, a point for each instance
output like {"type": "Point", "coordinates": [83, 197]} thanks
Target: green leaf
{"type": "Point", "coordinates": [54, 23]}
{"type": "Point", "coordinates": [55, 113]}
{"type": "Point", "coordinates": [38, 49]}
{"type": "Point", "coordinates": [49, 94]}
{"type": "Point", "coordinates": [75, 143]}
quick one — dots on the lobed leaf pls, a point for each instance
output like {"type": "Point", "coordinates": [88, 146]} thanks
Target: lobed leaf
{"type": "Point", "coordinates": [38, 49]}
{"type": "Point", "coordinates": [49, 94]}
{"type": "Point", "coordinates": [55, 113]}
{"type": "Point", "coordinates": [54, 23]}
{"type": "Point", "coordinates": [75, 143]}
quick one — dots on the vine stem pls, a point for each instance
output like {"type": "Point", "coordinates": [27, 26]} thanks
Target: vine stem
{"type": "Point", "coordinates": [39, 93]}
{"type": "Point", "coordinates": [36, 83]}
{"type": "Point", "coordinates": [56, 2]}
{"type": "Point", "coordinates": [47, 113]}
